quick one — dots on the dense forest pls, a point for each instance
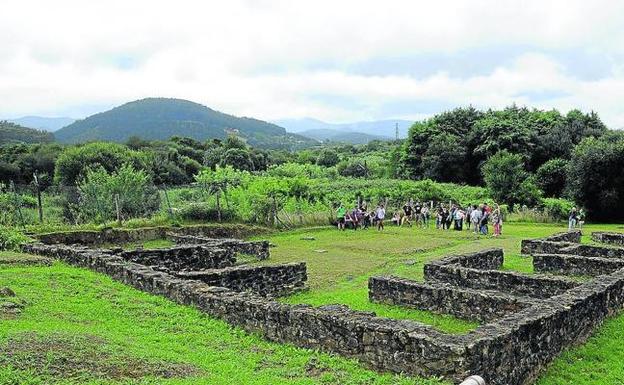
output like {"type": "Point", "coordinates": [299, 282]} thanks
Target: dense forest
{"type": "Point", "coordinates": [516, 156]}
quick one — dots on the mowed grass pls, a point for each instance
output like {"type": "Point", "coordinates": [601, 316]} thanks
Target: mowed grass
{"type": "Point", "coordinates": [74, 317]}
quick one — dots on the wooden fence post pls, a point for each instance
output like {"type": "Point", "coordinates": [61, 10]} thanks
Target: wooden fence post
{"type": "Point", "coordinates": [36, 180]}
{"type": "Point", "coordinates": [118, 209]}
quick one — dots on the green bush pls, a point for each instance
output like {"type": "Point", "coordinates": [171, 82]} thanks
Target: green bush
{"type": "Point", "coordinates": [11, 239]}
{"type": "Point", "coordinates": [551, 177]}
{"type": "Point", "coordinates": [132, 190]}
{"type": "Point", "coordinates": [558, 209]}
{"type": "Point", "coordinates": [203, 212]}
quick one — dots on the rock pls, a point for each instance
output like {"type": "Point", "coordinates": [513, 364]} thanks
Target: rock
{"type": "Point", "coordinates": [6, 292]}
{"type": "Point", "coordinates": [320, 251]}
{"type": "Point", "coordinates": [308, 239]}
{"type": "Point", "coordinates": [410, 262]}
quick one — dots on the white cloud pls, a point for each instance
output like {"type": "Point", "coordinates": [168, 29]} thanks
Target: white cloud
{"type": "Point", "coordinates": [276, 59]}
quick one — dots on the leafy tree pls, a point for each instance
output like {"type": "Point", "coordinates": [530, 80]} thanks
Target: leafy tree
{"type": "Point", "coordinates": [444, 159]}
{"type": "Point", "coordinates": [596, 176]}
{"type": "Point", "coordinates": [238, 158]}
{"type": "Point", "coordinates": [327, 158]}
{"type": "Point", "coordinates": [73, 163]}
{"type": "Point", "coordinates": [507, 180]}
{"type": "Point", "coordinates": [551, 177]}
{"type": "Point", "coordinates": [218, 182]}
{"type": "Point", "coordinates": [101, 192]}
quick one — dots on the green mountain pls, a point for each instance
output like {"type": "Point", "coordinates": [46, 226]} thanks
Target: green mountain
{"type": "Point", "coordinates": [14, 133]}
{"type": "Point", "coordinates": [161, 118]}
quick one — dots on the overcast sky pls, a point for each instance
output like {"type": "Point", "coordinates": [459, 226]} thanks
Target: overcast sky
{"type": "Point", "coordinates": [333, 60]}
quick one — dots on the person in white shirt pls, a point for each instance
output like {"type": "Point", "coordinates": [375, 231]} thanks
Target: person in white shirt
{"type": "Point", "coordinates": [381, 214]}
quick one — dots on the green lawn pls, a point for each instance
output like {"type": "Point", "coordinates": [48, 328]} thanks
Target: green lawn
{"type": "Point", "coordinates": [81, 327]}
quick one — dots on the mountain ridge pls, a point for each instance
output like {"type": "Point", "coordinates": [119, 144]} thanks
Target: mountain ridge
{"type": "Point", "coordinates": [162, 118]}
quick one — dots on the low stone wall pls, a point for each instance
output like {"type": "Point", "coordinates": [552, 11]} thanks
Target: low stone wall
{"type": "Point", "coordinates": [550, 245]}
{"type": "Point", "coordinates": [89, 237]}
{"type": "Point", "coordinates": [479, 305]}
{"type": "Point", "coordinates": [264, 280]}
{"type": "Point", "coordinates": [540, 246]}
{"type": "Point", "coordinates": [593, 251]}
{"type": "Point", "coordinates": [120, 236]}
{"type": "Point", "coordinates": [511, 350]}
{"type": "Point", "coordinates": [490, 259]}
{"type": "Point", "coordinates": [193, 257]}
{"type": "Point", "coordinates": [608, 237]}
{"type": "Point", "coordinates": [514, 349]}
{"type": "Point", "coordinates": [448, 270]}
{"type": "Point", "coordinates": [259, 249]}
{"type": "Point", "coordinates": [575, 265]}
{"type": "Point", "coordinates": [568, 236]}
{"type": "Point", "coordinates": [401, 346]}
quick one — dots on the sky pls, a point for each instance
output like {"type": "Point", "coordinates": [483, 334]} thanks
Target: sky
{"type": "Point", "coordinates": [338, 61]}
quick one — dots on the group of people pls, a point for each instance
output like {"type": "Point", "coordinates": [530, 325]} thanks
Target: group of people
{"type": "Point", "coordinates": [360, 217]}
{"type": "Point", "coordinates": [474, 218]}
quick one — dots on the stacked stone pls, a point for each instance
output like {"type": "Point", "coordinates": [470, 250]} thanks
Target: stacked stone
{"type": "Point", "coordinates": [611, 238]}
{"type": "Point", "coordinates": [264, 280]}
{"type": "Point", "coordinates": [511, 349]}
{"type": "Point", "coordinates": [182, 258]}
{"type": "Point", "coordinates": [259, 249]}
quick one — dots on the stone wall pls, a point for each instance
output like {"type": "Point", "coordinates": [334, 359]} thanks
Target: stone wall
{"type": "Point", "coordinates": [449, 271]}
{"type": "Point", "coordinates": [511, 349]}
{"type": "Point", "coordinates": [264, 280]}
{"type": "Point", "coordinates": [121, 236]}
{"type": "Point", "coordinates": [568, 236]}
{"type": "Point", "coordinates": [594, 251]}
{"type": "Point", "coordinates": [258, 249]}
{"type": "Point", "coordinates": [401, 346]}
{"type": "Point", "coordinates": [514, 349]}
{"type": "Point", "coordinates": [575, 265]}
{"type": "Point", "coordinates": [193, 257]}
{"type": "Point", "coordinates": [611, 238]}
{"type": "Point", "coordinates": [479, 305]}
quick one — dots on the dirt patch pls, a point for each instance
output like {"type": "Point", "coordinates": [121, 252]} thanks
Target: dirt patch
{"type": "Point", "coordinates": [62, 356]}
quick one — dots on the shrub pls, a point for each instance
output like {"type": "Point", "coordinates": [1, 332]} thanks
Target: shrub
{"type": "Point", "coordinates": [74, 162]}
{"type": "Point", "coordinates": [551, 177]}
{"type": "Point", "coordinates": [558, 209]}
{"type": "Point", "coordinates": [11, 239]}
{"type": "Point", "coordinates": [203, 212]}
{"type": "Point", "coordinates": [507, 180]}
{"type": "Point", "coordinates": [327, 158]}
{"type": "Point", "coordinates": [136, 194]}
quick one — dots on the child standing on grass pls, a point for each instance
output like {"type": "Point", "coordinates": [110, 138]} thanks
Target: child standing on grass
{"type": "Point", "coordinates": [380, 214]}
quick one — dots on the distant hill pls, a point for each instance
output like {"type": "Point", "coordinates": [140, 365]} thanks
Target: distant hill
{"type": "Point", "coordinates": [384, 128]}
{"type": "Point", "coordinates": [161, 118]}
{"type": "Point", "coordinates": [43, 123]}
{"type": "Point", "coordinates": [14, 133]}
{"type": "Point", "coordinates": [325, 134]}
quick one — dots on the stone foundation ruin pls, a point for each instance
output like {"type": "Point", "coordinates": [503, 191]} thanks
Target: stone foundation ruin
{"type": "Point", "coordinates": [528, 319]}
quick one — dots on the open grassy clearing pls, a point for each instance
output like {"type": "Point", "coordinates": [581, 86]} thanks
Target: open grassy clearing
{"type": "Point", "coordinates": [81, 327]}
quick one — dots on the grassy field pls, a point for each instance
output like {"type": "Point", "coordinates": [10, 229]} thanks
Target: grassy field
{"type": "Point", "coordinates": [79, 327]}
